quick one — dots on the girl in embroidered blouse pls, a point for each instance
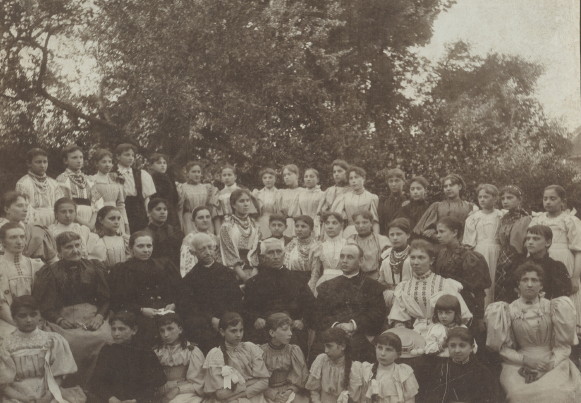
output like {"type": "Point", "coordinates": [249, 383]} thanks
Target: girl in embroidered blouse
{"type": "Point", "coordinates": [330, 375]}
{"type": "Point", "coordinates": [288, 199]}
{"type": "Point", "coordinates": [221, 199]}
{"type": "Point", "coordinates": [16, 271]}
{"type": "Point", "coordinates": [239, 236]}
{"type": "Point", "coordinates": [355, 200]}
{"type": "Point", "coordinates": [285, 362]}
{"type": "Point", "coordinates": [110, 185]}
{"type": "Point", "coordinates": [566, 246]}
{"type": "Point", "coordinates": [452, 206]}
{"type": "Point", "coordinates": [115, 244]}
{"type": "Point", "coordinates": [310, 199]}
{"type": "Point", "coordinates": [193, 194]}
{"type": "Point", "coordinates": [327, 266]}
{"type": "Point", "coordinates": [202, 219]}
{"type": "Point", "coordinates": [235, 371]}
{"type": "Point", "coordinates": [395, 262]}
{"type": "Point", "coordinates": [300, 253]}
{"type": "Point", "coordinates": [78, 186]}
{"type": "Point", "coordinates": [385, 381]}
{"type": "Point", "coordinates": [266, 197]}
{"type": "Point", "coordinates": [41, 359]}
{"type": "Point", "coordinates": [182, 362]}
{"type": "Point", "coordinates": [480, 231]}
{"type": "Point", "coordinates": [41, 190]}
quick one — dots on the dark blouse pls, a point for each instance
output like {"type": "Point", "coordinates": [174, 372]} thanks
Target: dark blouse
{"type": "Point", "coordinates": [388, 209]}
{"type": "Point", "coordinates": [166, 188]}
{"type": "Point", "coordinates": [127, 372]}
{"type": "Point", "coordinates": [471, 270]}
{"type": "Point", "coordinates": [413, 211]}
{"type": "Point", "coordinates": [167, 241]}
{"type": "Point", "coordinates": [66, 283]}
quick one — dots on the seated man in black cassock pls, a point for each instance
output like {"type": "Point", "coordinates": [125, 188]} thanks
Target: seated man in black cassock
{"type": "Point", "coordinates": [208, 291]}
{"type": "Point", "coordinates": [276, 289]}
{"type": "Point", "coordinates": [353, 302]}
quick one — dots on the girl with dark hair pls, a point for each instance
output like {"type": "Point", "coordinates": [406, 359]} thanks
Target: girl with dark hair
{"type": "Point", "coordinates": [288, 199]}
{"type": "Point", "coordinates": [165, 185]}
{"type": "Point", "coordinates": [310, 199]}
{"type": "Point", "coordinates": [385, 381]}
{"type": "Point", "coordinates": [235, 371]}
{"type": "Point", "coordinates": [461, 377]}
{"type": "Point", "coordinates": [447, 316]}
{"type": "Point", "coordinates": [285, 362]}
{"type": "Point", "coordinates": [371, 243]}
{"type": "Point", "coordinates": [452, 206]}
{"type": "Point", "coordinates": [301, 252]}
{"type": "Point", "coordinates": [330, 375]}
{"type": "Point", "coordinates": [125, 371]}
{"type": "Point", "coordinates": [395, 262]}
{"type": "Point", "coordinates": [202, 222]}
{"type": "Point", "coordinates": [193, 194]}
{"type": "Point", "coordinates": [266, 198]}
{"type": "Point", "coordinates": [566, 245]}
{"type": "Point", "coordinates": [112, 240]}
{"type": "Point", "coordinates": [110, 185]}
{"type": "Point", "coordinates": [239, 236]}
{"type": "Point", "coordinates": [182, 362]}
{"type": "Point", "coordinates": [355, 200]}
{"type": "Point", "coordinates": [221, 199]}
{"type": "Point", "coordinates": [166, 237]}
{"type": "Point", "coordinates": [467, 267]}
{"type": "Point", "coordinates": [340, 168]}
{"type": "Point", "coordinates": [417, 205]}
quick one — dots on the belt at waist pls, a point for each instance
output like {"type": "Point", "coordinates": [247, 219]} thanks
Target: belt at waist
{"type": "Point", "coordinates": [82, 202]}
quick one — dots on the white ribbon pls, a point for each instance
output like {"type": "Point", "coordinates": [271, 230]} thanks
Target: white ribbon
{"type": "Point", "coordinates": [231, 376]}
{"type": "Point", "coordinates": [343, 397]}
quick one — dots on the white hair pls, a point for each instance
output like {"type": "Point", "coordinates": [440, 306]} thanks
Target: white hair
{"type": "Point", "coordinates": [198, 238]}
{"type": "Point", "coordinates": [270, 242]}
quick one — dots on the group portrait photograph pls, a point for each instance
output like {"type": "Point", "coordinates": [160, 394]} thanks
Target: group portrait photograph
{"type": "Point", "coordinates": [278, 201]}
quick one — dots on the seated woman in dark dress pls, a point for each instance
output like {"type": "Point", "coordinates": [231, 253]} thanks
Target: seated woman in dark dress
{"type": "Point", "coordinates": [143, 285]}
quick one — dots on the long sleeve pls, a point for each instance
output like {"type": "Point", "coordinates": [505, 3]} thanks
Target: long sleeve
{"type": "Point", "coordinates": [518, 233]}
{"type": "Point", "coordinates": [428, 219]}
{"type": "Point", "coordinates": [470, 233]}
{"type": "Point", "coordinates": [564, 319]}
{"type": "Point", "coordinates": [39, 244]}
{"type": "Point", "coordinates": [499, 332]}
{"type": "Point", "coordinates": [195, 374]}
{"type": "Point", "coordinates": [45, 292]}
{"type": "Point", "coordinates": [372, 314]}
{"type": "Point", "coordinates": [399, 311]}
{"type": "Point", "coordinates": [435, 339]}
{"type": "Point", "coordinates": [230, 254]}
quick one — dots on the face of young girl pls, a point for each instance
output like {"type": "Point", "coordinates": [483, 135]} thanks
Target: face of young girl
{"type": "Point", "coordinates": [111, 222]}
{"type": "Point", "coordinates": [126, 158]}
{"type": "Point", "coordinates": [398, 238]}
{"type": "Point", "coordinates": [38, 165]}
{"type": "Point", "coordinates": [203, 220]}
{"type": "Point", "coordinates": [159, 166]}
{"type": "Point", "coordinates": [363, 226]}
{"type": "Point", "coordinates": [445, 235]}
{"type": "Point", "coordinates": [302, 230]}
{"type": "Point", "coordinates": [395, 185]}
{"type": "Point", "coordinates": [339, 175]}
{"type": "Point", "coordinates": [417, 191]}
{"type": "Point", "coordinates": [66, 214]}
{"type": "Point", "coordinates": [446, 316]}
{"type": "Point", "coordinates": [74, 160]}
{"type": "Point", "coordinates": [282, 335]}
{"type": "Point", "coordinates": [311, 179]}
{"type": "Point", "coordinates": [420, 261]}
{"type": "Point", "coordinates": [356, 181]}
{"type": "Point", "coordinates": [334, 350]}
{"type": "Point", "coordinates": [459, 349]}
{"type": "Point", "coordinates": [142, 248]}
{"type": "Point", "coordinates": [105, 164]}
{"type": "Point", "coordinates": [17, 211]}
{"type": "Point", "coordinates": [509, 201]}
{"type": "Point", "coordinates": [332, 227]}
{"type": "Point", "coordinates": [536, 244]}
{"type": "Point", "coordinates": [158, 214]}
{"type": "Point", "coordinates": [170, 333]}
{"type": "Point", "coordinates": [552, 203]}
{"type": "Point", "coordinates": [228, 177]}
{"type": "Point", "coordinates": [195, 174]}
{"type": "Point", "coordinates": [242, 205]}
{"type": "Point", "coordinates": [290, 178]}
{"type": "Point", "coordinates": [451, 190]}
{"type": "Point", "coordinates": [122, 333]}
{"type": "Point", "coordinates": [486, 200]}
{"type": "Point", "coordinates": [268, 181]}
{"type": "Point", "coordinates": [385, 354]}
{"type": "Point", "coordinates": [233, 334]}
{"type": "Point", "coordinates": [277, 228]}
{"type": "Point", "coordinates": [14, 241]}
{"type": "Point", "coordinates": [26, 319]}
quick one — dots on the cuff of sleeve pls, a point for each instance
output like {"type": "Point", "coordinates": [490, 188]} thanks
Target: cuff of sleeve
{"type": "Point", "coordinates": [354, 324]}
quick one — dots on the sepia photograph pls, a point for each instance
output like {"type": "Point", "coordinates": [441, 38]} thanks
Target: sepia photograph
{"type": "Point", "coordinates": [277, 201]}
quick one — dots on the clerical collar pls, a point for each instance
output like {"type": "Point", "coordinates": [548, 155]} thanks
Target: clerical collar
{"type": "Point", "coordinates": [423, 276]}
{"type": "Point", "coordinates": [351, 275]}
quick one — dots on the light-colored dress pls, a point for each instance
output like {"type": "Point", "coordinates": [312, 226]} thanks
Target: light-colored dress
{"type": "Point", "coordinates": [183, 368]}
{"type": "Point", "coordinates": [287, 367]}
{"type": "Point", "coordinates": [222, 210]}
{"type": "Point", "coordinates": [287, 203]}
{"type": "Point", "coordinates": [32, 354]}
{"type": "Point", "coordinates": [330, 195]}
{"type": "Point", "coordinates": [416, 298]}
{"type": "Point", "coordinates": [480, 232]}
{"type": "Point", "coordinates": [187, 257]}
{"type": "Point", "coordinates": [350, 202]}
{"type": "Point", "coordinates": [436, 338]}
{"type": "Point", "coordinates": [328, 267]}
{"type": "Point", "coordinates": [372, 246]}
{"type": "Point", "coordinates": [116, 248]}
{"type": "Point", "coordinates": [112, 194]}
{"type": "Point", "coordinates": [91, 247]}
{"type": "Point", "coordinates": [308, 203]}
{"type": "Point", "coordinates": [267, 201]}
{"type": "Point", "coordinates": [245, 362]}
{"type": "Point", "coordinates": [42, 195]}
{"type": "Point", "coordinates": [566, 242]}
{"type": "Point", "coordinates": [395, 383]}
{"type": "Point", "coordinates": [190, 197]}
{"type": "Point", "coordinates": [542, 330]}
{"type": "Point", "coordinates": [80, 186]}
{"type": "Point", "coordinates": [393, 271]}
{"type": "Point", "coordinates": [326, 378]}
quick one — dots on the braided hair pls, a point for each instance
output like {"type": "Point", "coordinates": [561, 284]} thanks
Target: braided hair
{"type": "Point", "coordinates": [339, 336]}
{"type": "Point", "coordinates": [227, 320]}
